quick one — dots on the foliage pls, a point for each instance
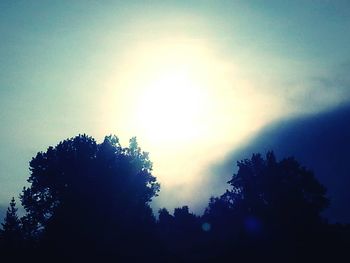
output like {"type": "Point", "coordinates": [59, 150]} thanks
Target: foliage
{"type": "Point", "coordinates": [262, 186]}
{"type": "Point", "coordinates": [91, 202]}
{"type": "Point", "coordinates": [82, 191]}
{"type": "Point", "coordinates": [11, 228]}
{"type": "Point", "coordinates": [81, 173]}
{"type": "Point", "coordinates": [273, 207]}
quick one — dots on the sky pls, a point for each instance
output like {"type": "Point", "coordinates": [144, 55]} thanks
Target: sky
{"type": "Point", "coordinates": [195, 81]}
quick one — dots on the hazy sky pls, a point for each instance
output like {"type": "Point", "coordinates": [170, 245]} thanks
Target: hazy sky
{"type": "Point", "coordinates": [192, 80]}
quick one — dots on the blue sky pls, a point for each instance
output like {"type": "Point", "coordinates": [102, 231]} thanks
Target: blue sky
{"type": "Point", "coordinates": [69, 67]}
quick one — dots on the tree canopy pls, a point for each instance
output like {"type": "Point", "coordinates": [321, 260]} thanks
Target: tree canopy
{"type": "Point", "coordinates": [91, 202]}
{"type": "Point", "coordinates": [271, 204]}
{"type": "Point", "coordinates": [82, 191]}
{"type": "Point", "coordinates": [11, 228]}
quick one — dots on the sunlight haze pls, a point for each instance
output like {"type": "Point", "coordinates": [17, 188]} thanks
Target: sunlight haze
{"type": "Point", "coordinates": [192, 80]}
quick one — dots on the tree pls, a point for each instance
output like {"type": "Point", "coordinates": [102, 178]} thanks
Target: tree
{"type": "Point", "coordinates": [285, 189]}
{"type": "Point", "coordinates": [180, 235]}
{"type": "Point", "coordinates": [264, 186]}
{"type": "Point", "coordinates": [11, 234]}
{"type": "Point", "coordinates": [91, 196]}
{"type": "Point", "coordinates": [11, 227]}
{"type": "Point", "coordinates": [273, 207]}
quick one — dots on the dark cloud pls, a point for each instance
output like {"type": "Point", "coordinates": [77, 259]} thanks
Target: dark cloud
{"type": "Point", "coordinates": [321, 142]}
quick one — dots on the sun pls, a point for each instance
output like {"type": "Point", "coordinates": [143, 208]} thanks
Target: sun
{"type": "Point", "coordinates": [172, 104]}
{"type": "Point", "coordinates": [168, 86]}
{"type": "Point", "coordinates": [178, 91]}
{"type": "Point", "coordinates": [181, 99]}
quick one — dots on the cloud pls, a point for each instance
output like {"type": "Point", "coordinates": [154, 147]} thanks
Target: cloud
{"type": "Point", "coordinates": [318, 91]}
{"type": "Point", "coordinates": [321, 142]}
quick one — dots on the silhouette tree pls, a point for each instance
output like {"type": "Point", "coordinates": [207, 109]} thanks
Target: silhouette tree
{"type": "Point", "coordinates": [11, 228]}
{"type": "Point", "coordinates": [91, 202]}
{"type": "Point", "coordinates": [88, 197]}
{"type": "Point", "coordinates": [180, 235]}
{"type": "Point", "coordinates": [11, 234]}
{"type": "Point", "coordinates": [273, 207]}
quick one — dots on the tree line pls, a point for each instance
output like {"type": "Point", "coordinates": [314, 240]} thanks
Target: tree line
{"type": "Point", "coordinates": [89, 202]}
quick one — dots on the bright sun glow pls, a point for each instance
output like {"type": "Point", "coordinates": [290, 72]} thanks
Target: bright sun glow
{"type": "Point", "coordinates": [181, 100]}
{"type": "Point", "coordinates": [170, 91]}
{"type": "Point", "coordinates": [172, 104]}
